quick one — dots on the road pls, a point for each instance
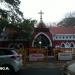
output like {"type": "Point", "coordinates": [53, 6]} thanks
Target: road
{"type": "Point", "coordinates": [41, 71]}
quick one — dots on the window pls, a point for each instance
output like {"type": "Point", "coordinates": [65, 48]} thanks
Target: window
{"type": "Point", "coordinates": [63, 37]}
{"type": "Point", "coordinates": [70, 37]}
{"type": "Point", "coordinates": [66, 37]}
{"type": "Point", "coordinates": [5, 52]}
{"type": "Point", "coordinates": [11, 45]}
{"type": "Point", "coordinates": [63, 45]}
{"type": "Point", "coordinates": [72, 45]}
{"type": "Point", "coordinates": [74, 36]}
{"type": "Point", "coordinates": [59, 37]}
{"type": "Point", "coordinates": [56, 37]}
{"type": "Point", "coordinates": [8, 52]}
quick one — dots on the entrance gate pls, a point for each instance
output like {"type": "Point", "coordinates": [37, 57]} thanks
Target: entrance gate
{"type": "Point", "coordinates": [31, 55]}
{"type": "Point", "coordinates": [42, 40]}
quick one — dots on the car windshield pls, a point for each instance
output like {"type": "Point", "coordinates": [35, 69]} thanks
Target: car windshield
{"type": "Point", "coordinates": [7, 52]}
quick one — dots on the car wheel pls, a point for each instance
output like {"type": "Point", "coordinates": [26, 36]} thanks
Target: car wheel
{"type": "Point", "coordinates": [7, 70]}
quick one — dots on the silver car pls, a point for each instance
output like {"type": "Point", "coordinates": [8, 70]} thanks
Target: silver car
{"type": "Point", "coordinates": [10, 61]}
{"type": "Point", "coordinates": [69, 68]}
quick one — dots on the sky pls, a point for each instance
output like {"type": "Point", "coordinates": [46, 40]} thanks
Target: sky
{"type": "Point", "coordinates": [54, 10]}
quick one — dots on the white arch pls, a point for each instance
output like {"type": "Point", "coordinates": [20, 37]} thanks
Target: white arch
{"type": "Point", "coordinates": [67, 45]}
{"type": "Point", "coordinates": [44, 35]}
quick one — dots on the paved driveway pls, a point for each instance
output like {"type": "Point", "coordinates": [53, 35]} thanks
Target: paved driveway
{"type": "Point", "coordinates": [41, 71]}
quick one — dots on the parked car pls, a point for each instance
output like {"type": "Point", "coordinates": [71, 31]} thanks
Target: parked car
{"type": "Point", "coordinates": [69, 68]}
{"type": "Point", "coordinates": [10, 61]}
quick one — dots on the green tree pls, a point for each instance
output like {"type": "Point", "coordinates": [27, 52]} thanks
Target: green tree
{"type": "Point", "coordinates": [3, 14]}
{"type": "Point", "coordinates": [69, 20]}
{"type": "Point", "coordinates": [10, 13]}
{"type": "Point", "coordinates": [14, 16]}
{"type": "Point", "coordinates": [13, 11]}
{"type": "Point", "coordinates": [3, 23]}
{"type": "Point", "coordinates": [27, 27]}
{"type": "Point", "coordinates": [24, 30]}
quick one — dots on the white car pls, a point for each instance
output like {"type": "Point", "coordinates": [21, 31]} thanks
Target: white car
{"type": "Point", "coordinates": [69, 68]}
{"type": "Point", "coordinates": [10, 61]}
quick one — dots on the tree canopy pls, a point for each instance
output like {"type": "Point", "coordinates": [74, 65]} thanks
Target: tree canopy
{"type": "Point", "coordinates": [13, 16]}
{"type": "Point", "coordinates": [68, 21]}
{"type": "Point", "coordinates": [27, 26]}
{"type": "Point", "coordinates": [13, 11]}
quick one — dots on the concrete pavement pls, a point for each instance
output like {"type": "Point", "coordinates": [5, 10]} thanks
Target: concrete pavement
{"type": "Point", "coordinates": [42, 68]}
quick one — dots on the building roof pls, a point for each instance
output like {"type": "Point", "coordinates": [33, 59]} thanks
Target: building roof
{"type": "Point", "coordinates": [41, 25]}
{"type": "Point", "coordinates": [62, 30]}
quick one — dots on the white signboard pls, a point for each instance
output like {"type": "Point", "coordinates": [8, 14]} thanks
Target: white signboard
{"type": "Point", "coordinates": [65, 56]}
{"type": "Point", "coordinates": [36, 57]}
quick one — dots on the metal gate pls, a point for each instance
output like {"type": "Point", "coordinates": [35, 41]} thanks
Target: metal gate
{"type": "Point", "coordinates": [31, 55]}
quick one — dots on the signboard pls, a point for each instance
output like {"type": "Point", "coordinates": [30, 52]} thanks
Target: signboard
{"type": "Point", "coordinates": [36, 57]}
{"type": "Point", "coordinates": [65, 56]}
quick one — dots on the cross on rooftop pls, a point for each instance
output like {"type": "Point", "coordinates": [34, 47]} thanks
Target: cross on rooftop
{"type": "Point", "coordinates": [41, 13]}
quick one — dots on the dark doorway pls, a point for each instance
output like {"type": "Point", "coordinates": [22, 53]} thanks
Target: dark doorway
{"type": "Point", "coordinates": [43, 42]}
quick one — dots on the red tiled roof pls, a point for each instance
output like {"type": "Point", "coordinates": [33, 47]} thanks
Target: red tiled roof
{"type": "Point", "coordinates": [62, 30]}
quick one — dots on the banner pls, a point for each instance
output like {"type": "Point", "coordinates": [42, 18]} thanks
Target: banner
{"type": "Point", "coordinates": [36, 57]}
{"type": "Point", "coordinates": [65, 56]}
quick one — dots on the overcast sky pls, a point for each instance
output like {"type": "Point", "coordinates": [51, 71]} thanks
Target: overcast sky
{"type": "Point", "coordinates": [54, 10]}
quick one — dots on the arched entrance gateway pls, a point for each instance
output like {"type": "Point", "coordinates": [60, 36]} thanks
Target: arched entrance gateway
{"type": "Point", "coordinates": [42, 40]}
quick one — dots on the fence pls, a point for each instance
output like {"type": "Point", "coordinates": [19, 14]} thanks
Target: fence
{"type": "Point", "coordinates": [64, 50]}
{"type": "Point", "coordinates": [30, 55]}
